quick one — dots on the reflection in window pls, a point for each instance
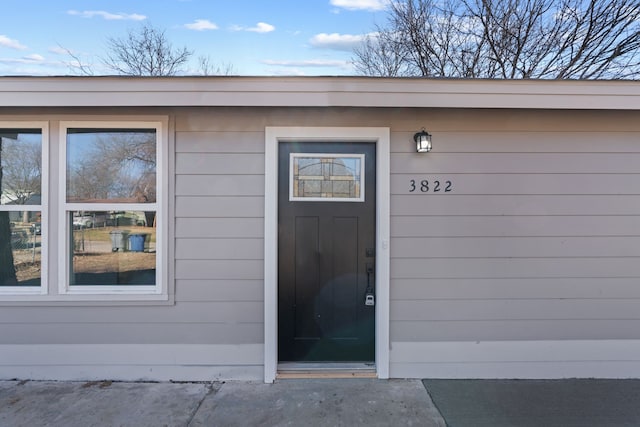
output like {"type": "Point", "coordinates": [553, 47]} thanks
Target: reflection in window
{"type": "Point", "coordinates": [111, 206]}
{"type": "Point", "coordinates": [113, 248]}
{"type": "Point", "coordinates": [111, 165]}
{"type": "Point", "coordinates": [21, 164]}
{"type": "Point", "coordinates": [21, 253]}
{"type": "Point", "coordinates": [20, 188]}
{"type": "Point", "coordinates": [326, 177]}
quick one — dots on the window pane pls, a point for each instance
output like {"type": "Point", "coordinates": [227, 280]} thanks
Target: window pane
{"type": "Point", "coordinates": [20, 253]}
{"type": "Point", "coordinates": [326, 177]}
{"type": "Point", "coordinates": [111, 165]}
{"type": "Point", "coordinates": [113, 248]}
{"type": "Point", "coordinates": [21, 163]}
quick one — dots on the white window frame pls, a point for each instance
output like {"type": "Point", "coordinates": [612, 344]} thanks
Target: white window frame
{"type": "Point", "coordinates": [42, 208]}
{"type": "Point", "coordinates": [158, 291]}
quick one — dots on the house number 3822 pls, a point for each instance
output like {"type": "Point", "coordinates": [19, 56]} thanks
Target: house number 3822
{"type": "Point", "coordinates": [426, 186]}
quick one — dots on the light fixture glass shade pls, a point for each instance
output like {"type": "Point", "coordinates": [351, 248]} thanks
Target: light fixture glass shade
{"type": "Point", "coordinates": [423, 141]}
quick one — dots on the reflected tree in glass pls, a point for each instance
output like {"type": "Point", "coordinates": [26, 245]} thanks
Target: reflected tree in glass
{"type": "Point", "coordinates": [20, 183]}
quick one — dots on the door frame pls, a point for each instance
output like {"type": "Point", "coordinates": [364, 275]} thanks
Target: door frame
{"type": "Point", "coordinates": [380, 136]}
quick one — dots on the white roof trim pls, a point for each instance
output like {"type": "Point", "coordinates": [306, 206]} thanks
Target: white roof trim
{"type": "Point", "coordinates": [316, 92]}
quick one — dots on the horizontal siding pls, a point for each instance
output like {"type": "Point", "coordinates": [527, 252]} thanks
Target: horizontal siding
{"type": "Point", "coordinates": [517, 247]}
{"type": "Point", "coordinates": [451, 204]}
{"type": "Point", "coordinates": [521, 309]}
{"type": "Point", "coordinates": [155, 332]}
{"type": "Point", "coordinates": [219, 207]}
{"type": "Point", "coordinates": [521, 184]}
{"type": "Point", "coordinates": [538, 288]}
{"type": "Point", "coordinates": [516, 163]}
{"type": "Point", "coordinates": [514, 329]}
{"type": "Point", "coordinates": [219, 228]}
{"type": "Point", "coordinates": [220, 185]}
{"type": "Point", "coordinates": [515, 226]}
{"type": "Point", "coordinates": [517, 359]}
{"type": "Point", "coordinates": [219, 164]}
{"type": "Point", "coordinates": [132, 362]}
{"type": "Point", "coordinates": [201, 290]}
{"type": "Point", "coordinates": [220, 269]}
{"type": "Point", "coordinates": [225, 227]}
{"type": "Point", "coordinates": [185, 312]}
{"type": "Point", "coordinates": [209, 248]}
{"type": "Point", "coordinates": [507, 267]}
{"type": "Point", "coordinates": [219, 142]}
{"type": "Point", "coordinates": [537, 240]}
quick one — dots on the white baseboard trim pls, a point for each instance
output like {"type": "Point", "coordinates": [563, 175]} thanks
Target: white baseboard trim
{"type": "Point", "coordinates": [124, 362]}
{"type": "Point", "coordinates": [517, 359]}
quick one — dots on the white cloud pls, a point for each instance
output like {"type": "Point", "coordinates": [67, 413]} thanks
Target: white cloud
{"type": "Point", "coordinates": [201, 25]}
{"type": "Point", "coordinates": [59, 50]}
{"type": "Point", "coordinates": [108, 15]}
{"type": "Point", "coordinates": [34, 57]}
{"type": "Point", "coordinates": [372, 5]}
{"type": "Point", "coordinates": [308, 63]}
{"type": "Point", "coordinates": [260, 27]}
{"type": "Point", "coordinates": [336, 41]}
{"type": "Point", "coordinates": [11, 43]}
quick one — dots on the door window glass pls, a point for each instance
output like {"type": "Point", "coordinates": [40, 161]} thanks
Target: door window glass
{"type": "Point", "coordinates": [326, 177]}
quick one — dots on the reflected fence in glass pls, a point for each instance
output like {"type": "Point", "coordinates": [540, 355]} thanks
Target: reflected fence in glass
{"type": "Point", "coordinates": [20, 248]}
{"type": "Point", "coordinates": [112, 248]}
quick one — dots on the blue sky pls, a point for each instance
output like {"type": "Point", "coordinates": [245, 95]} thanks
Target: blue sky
{"type": "Point", "coordinates": [254, 37]}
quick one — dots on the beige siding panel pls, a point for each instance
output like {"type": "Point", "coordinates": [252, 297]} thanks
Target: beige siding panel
{"type": "Point", "coordinates": [524, 141]}
{"type": "Point", "coordinates": [220, 269]}
{"type": "Point", "coordinates": [528, 288]}
{"type": "Point", "coordinates": [514, 226]}
{"type": "Point", "coordinates": [132, 333]}
{"type": "Point", "coordinates": [242, 228]}
{"type": "Point", "coordinates": [220, 249]}
{"type": "Point", "coordinates": [497, 330]}
{"type": "Point", "coordinates": [219, 290]}
{"type": "Point", "coordinates": [220, 185]}
{"type": "Point", "coordinates": [515, 247]}
{"type": "Point", "coordinates": [220, 142]}
{"type": "Point", "coordinates": [451, 204]}
{"type": "Point", "coordinates": [211, 207]}
{"type": "Point", "coordinates": [219, 164]}
{"type": "Point", "coordinates": [547, 309]}
{"type": "Point", "coordinates": [436, 162]}
{"type": "Point", "coordinates": [414, 268]}
{"type": "Point", "coordinates": [160, 354]}
{"type": "Point", "coordinates": [474, 184]}
{"type": "Point", "coordinates": [186, 312]}
{"type": "Point", "coordinates": [513, 359]}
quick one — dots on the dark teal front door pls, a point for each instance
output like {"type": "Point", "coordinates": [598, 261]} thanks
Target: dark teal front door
{"type": "Point", "coordinates": [326, 255]}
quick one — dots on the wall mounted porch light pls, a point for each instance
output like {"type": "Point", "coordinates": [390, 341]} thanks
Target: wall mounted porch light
{"type": "Point", "coordinates": [423, 141]}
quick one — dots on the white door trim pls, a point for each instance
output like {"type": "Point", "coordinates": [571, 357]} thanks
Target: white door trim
{"type": "Point", "coordinates": [381, 137]}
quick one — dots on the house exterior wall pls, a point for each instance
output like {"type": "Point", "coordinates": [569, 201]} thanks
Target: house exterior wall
{"type": "Point", "coordinates": [528, 267]}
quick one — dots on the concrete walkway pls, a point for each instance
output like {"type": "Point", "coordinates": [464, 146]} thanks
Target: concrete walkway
{"type": "Point", "coordinates": [323, 402]}
{"type": "Point", "coordinates": [334, 402]}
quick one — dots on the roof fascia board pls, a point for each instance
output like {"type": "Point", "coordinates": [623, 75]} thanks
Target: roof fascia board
{"type": "Point", "coordinates": [316, 92]}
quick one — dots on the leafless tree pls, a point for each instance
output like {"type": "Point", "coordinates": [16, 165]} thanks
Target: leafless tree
{"type": "Point", "coordinates": [119, 165]}
{"type": "Point", "coordinates": [22, 170]}
{"type": "Point", "coordinates": [209, 68]}
{"type": "Point", "coordinates": [145, 51]}
{"type": "Point", "coordinates": [508, 39]}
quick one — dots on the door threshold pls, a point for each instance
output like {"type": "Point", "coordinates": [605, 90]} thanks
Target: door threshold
{"type": "Point", "coordinates": [326, 370]}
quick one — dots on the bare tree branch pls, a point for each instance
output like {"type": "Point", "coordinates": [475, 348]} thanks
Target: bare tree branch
{"type": "Point", "coordinates": [145, 52]}
{"type": "Point", "coordinates": [508, 39]}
